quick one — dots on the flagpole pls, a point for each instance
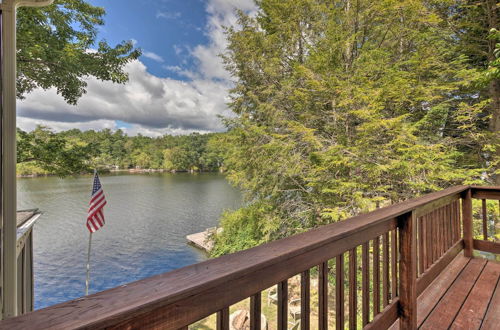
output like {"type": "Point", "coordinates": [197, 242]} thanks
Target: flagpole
{"type": "Point", "coordinates": [87, 282]}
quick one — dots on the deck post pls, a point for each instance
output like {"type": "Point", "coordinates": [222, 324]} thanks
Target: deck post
{"type": "Point", "coordinates": [8, 195]}
{"type": "Point", "coordinates": [467, 222]}
{"type": "Point", "coordinates": [408, 271]}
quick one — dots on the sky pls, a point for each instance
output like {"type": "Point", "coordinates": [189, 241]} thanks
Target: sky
{"type": "Point", "coordinates": [178, 85]}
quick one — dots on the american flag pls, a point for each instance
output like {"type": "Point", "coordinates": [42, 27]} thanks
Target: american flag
{"type": "Point", "coordinates": [95, 217]}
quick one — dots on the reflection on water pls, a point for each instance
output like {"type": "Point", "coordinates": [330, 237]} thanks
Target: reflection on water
{"type": "Point", "coordinates": [147, 219]}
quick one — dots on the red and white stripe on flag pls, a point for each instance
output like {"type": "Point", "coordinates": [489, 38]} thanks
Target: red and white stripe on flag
{"type": "Point", "coordinates": [95, 216]}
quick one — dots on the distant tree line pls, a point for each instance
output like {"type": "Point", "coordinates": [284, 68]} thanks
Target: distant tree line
{"type": "Point", "coordinates": [43, 151]}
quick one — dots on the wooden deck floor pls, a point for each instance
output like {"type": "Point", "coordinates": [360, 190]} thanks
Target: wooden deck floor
{"type": "Point", "coordinates": [466, 295]}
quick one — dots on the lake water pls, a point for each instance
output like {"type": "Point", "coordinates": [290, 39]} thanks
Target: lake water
{"type": "Point", "coordinates": [147, 219]}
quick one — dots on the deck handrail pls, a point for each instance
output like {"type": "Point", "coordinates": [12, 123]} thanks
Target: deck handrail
{"type": "Point", "coordinates": [181, 297]}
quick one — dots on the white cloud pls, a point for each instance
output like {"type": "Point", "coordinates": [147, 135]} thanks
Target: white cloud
{"type": "Point", "coordinates": [145, 100]}
{"type": "Point", "coordinates": [221, 14]}
{"type": "Point", "coordinates": [153, 56]}
{"type": "Point", "coordinates": [168, 14]}
{"type": "Point", "coordinates": [152, 105]}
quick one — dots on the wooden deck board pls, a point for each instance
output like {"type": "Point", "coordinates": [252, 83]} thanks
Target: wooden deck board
{"type": "Point", "coordinates": [430, 296]}
{"type": "Point", "coordinates": [492, 318]}
{"type": "Point", "coordinates": [466, 295]}
{"type": "Point", "coordinates": [446, 310]}
{"type": "Point", "coordinates": [472, 313]}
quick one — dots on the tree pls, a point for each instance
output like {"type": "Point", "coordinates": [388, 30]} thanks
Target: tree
{"type": "Point", "coordinates": [57, 47]}
{"type": "Point", "coordinates": [53, 153]}
{"type": "Point", "coordinates": [344, 105]}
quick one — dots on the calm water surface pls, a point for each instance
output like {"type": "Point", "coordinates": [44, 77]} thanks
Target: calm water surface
{"type": "Point", "coordinates": [147, 219]}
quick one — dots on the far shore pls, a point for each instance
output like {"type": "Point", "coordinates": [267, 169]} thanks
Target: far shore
{"type": "Point", "coordinates": [130, 170]}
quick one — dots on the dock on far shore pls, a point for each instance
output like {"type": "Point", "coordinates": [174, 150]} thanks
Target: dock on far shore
{"type": "Point", "coordinates": [204, 240]}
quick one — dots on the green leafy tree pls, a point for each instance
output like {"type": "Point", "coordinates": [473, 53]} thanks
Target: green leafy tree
{"type": "Point", "coordinates": [52, 153]}
{"type": "Point", "coordinates": [58, 47]}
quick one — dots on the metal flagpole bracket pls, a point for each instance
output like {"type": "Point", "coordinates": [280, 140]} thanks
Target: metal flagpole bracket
{"type": "Point", "coordinates": [8, 282]}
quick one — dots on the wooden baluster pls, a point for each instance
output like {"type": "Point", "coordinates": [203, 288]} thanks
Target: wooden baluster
{"type": "Point", "coordinates": [223, 319]}
{"type": "Point", "coordinates": [323, 296]}
{"type": "Point", "coordinates": [365, 283]}
{"type": "Point", "coordinates": [353, 289]}
{"type": "Point", "coordinates": [449, 237]}
{"type": "Point", "coordinates": [445, 230]}
{"type": "Point", "coordinates": [453, 217]}
{"type": "Point", "coordinates": [385, 269]}
{"type": "Point", "coordinates": [435, 219]}
{"type": "Point", "coordinates": [485, 220]}
{"type": "Point", "coordinates": [467, 222]}
{"type": "Point", "coordinates": [408, 271]}
{"type": "Point", "coordinates": [305, 292]}
{"type": "Point", "coordinates": [428, 241]}
{"type": "Point", "coordinates": [376, 276]}
{"type": "Point", "coordinates": [450, 225]}
{"type": "Point", "coordinates": [424, 244]}
{"type": "Point", "coordinates": [441, 228]}
{"type": "Point", "coordinates": [255, 307]}
{"type": "Point", "coordinates": [420, 240]}
{"type": "Point", "coordinates": [394, 263]}
{"type": "Point", "coordinates": [339, 292]}
{"type": "Point", "coordinates": [447, 227]}
{"type": "Point", "coordinates": [282, 305]}
{"type": "Point", "coordinates": [439, 241]}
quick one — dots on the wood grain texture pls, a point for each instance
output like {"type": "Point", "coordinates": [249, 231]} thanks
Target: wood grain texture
{"type": "Point", "coordinates": [387, 317]}
{"type": "Point", "coordinates": [353, 289]}
{"type": "Point", "coordinates": [223, 319]}
{"type": "Point", "coordinates": [484, 213]}
{"type": "Point", "coordinates": [486, 193]}
{"type": "Point", "coordinates": [436, 204]}
{"type": "Point", "coordinates": [305, 300]}
{"type": "Point", "coordinates": [408, 271]}
{"type": "Point", "coordinates": [444, 313]}
{"type": "Point", "coordinates": [339, 292]}
{"type": "Point", "coordinates": [472, 313]}
{"type": "Point", "coordinates": [394, 264]}
{"type": "Point", "coordinates": [486, 246]}
{"type": "Point", "coordinates": [467, 222]}
{"type": "Point", "coordinates": [385, 269]}
{"type": "Point", "coordinates": [282, 305]}
{"type": "Point", "coordinates": [432, 272]}
{"type": "Point", "coordinates": [430, 297]}
{"type": "Point", "coordinates": [255, 311]}
{"type": "Point", "coordinates": [492, 318]}
{"type": "Point", "coordinates": [365, 283]}
{"type": "Point", "coordinates": [421, 245]}
{"type": "Point", "coordinates": [323, 296]}
{"type": "Point", "coordinates": [376, 276]}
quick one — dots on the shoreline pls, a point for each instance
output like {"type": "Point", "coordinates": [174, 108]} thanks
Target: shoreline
{"type": "Point", "coordinates": [132, 170]}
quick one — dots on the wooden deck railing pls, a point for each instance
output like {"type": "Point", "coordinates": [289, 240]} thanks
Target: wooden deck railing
{"type": "Point", "coordinates": [395, 252]}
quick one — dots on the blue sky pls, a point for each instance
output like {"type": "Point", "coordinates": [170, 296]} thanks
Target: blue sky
{"type": "Point", "coordinates": [164, 30]}
{"type": "Point", "coordinates": [178, 85]}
